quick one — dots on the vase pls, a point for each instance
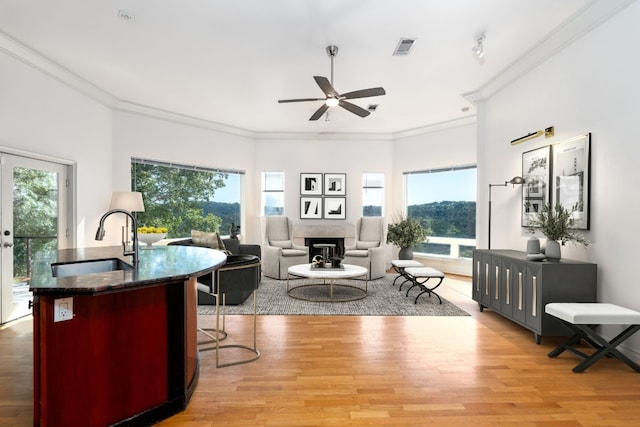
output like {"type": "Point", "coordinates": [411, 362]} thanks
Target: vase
{"type": "Point", "coordinates": [533, 245]}
{"type": "Point", "coordinates": [553, 249]}
{"type": "Point", "coordinates": [405, 253]}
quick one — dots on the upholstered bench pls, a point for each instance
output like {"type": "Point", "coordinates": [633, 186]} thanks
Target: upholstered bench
{"type": "Point", "coordinates": [420, 276]}
{"type": "Point", "coordinates": [399, 265]}
{"type": "Point", "coordinates": [582, 318]}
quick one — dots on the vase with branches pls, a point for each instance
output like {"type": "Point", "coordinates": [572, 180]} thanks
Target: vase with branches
{"type": "Point", "coordinates": [557, 224]}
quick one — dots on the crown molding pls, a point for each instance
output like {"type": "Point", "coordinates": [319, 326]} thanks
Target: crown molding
{"type": "Point", "coordinates": [156, 113]}
{"type": "Point", "coordinates": [322, 136]}
{"type": "Point", "coordinates": [462, 121]}
{"type": "Point", "coordinates": [577, 25]}
{"type": "Point", "coordinates": [30, 57]}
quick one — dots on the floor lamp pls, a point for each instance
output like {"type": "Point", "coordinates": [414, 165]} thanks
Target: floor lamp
{"type": "Point", "coordinates": [514, 180]}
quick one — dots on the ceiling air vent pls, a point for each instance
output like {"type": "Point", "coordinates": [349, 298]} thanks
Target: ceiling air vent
{"type": "Point", "coordinates": [404, 46]}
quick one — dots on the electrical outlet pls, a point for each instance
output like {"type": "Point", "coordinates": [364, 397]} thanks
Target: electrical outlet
{"type": "Point", "coordinates": [62, 309]}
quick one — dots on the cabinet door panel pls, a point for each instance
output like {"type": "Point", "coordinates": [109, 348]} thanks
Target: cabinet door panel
{"type": "Point", "coordinates": [486, 273]}
{"type": "Point", "coordinates": [533, 286]}
{"type": "Point", "coordinates": [477, 281]}
{"type": "Point", "coordinates": [518, 291]}
{"type": "Point", "coordinates": [506, 294]}
{"type": "Point", "coordinates": [495, 277]}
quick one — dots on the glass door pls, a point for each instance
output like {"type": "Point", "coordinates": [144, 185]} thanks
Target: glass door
{"type": "Point", "coordinates": [33, 218]}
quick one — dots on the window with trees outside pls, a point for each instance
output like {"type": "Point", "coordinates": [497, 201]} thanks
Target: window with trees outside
{"type": "Point", "coordinates": [372, 194]}
{"type": "Point", "coordinates": [272, 193]}
{"type": "Point", "coordinates": [444, 201]}
{"type": "Point", "coordinates": [184, 198]}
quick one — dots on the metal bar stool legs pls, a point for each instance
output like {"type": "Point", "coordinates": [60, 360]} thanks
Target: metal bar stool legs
{"type": "Point", "coordinates": [252, 349]}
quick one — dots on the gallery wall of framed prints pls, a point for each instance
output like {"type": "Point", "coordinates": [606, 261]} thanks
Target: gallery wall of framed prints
{"type": "Point", "coordinates": [323, 195]}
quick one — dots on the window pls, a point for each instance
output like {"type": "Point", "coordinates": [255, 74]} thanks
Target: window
{"type": "Point", "coordinates": [444, 200]}
{"type": "Point", "coordinates": [272, 193]}
{"type": "Point", "coordinates": [372, 194]}
{"type": "Point", "coordinates": [184, 198]}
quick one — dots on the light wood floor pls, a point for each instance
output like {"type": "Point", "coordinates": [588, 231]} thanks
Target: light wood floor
{"type": "Point", "coordinates": [379, 371]}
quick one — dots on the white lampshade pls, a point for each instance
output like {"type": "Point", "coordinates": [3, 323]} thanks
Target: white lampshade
{"type": "Point", "coordinates": [128, 200]}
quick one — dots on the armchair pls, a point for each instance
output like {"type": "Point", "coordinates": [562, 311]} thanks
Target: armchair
{"type": "Point", "coordinates": [280, 252]}
{"type": "Point", "coordinates": [369, 250]}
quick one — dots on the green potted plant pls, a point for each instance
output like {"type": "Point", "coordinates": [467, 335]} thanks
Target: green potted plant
{"type": "Point", "coordinates": [557, 224]}
{"type": "Point", "coordinates": [405, 234]}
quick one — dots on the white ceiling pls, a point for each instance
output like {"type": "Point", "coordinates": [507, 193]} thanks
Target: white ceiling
{"type": "Point", "coordinates": [229, 62]}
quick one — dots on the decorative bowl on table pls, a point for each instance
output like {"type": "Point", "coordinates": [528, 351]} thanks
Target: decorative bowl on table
{"type": "Point", "coordinates": [151, 235]}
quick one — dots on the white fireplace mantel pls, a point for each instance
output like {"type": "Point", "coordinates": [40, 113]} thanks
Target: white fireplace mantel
{"type": "Point", "coordinates": [347, 231]}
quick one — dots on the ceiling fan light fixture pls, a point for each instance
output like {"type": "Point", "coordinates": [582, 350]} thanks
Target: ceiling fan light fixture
{"type": "Point", "coordinates": [332, 102]}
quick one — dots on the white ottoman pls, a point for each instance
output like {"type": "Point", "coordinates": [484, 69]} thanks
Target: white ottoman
{"type": "Point", "coordinates": [419, 276]}
{"type": "Point", "coordinates": [399, 265]}
{"type": "Point", "coordinates": [582, 318]}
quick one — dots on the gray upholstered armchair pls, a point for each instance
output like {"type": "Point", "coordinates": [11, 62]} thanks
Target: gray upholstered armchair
{"type": "Point", "coordinates": [278, 250]}
{"type": "Point", "coordinates": [369, 250]}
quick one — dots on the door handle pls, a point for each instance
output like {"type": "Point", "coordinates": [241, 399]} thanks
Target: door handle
{"type": "Point", "coordinates": [7, 244]}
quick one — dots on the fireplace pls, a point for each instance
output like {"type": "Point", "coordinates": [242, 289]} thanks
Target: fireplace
{"type": "Point", "coordinates": [310, 241]}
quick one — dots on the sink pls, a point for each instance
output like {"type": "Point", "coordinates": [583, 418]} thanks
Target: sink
{"type": "Point", "coordinates": [80, 268]}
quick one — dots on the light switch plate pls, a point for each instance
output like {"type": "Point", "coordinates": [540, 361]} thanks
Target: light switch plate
{"type": "Point", "coordinates": [62, 309]}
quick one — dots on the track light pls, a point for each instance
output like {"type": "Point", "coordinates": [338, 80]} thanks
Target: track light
{"type": "Point", "coordinates": [478, 49]}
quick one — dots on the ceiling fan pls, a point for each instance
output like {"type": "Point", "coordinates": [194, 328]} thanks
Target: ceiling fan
{"type": "Point", "coordinates": [333, 98]}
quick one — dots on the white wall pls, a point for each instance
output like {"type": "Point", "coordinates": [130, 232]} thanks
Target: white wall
{"type": "Point", "coordinates": [40, 115]}
{"type": "Point", "coordinates": [590, 86]}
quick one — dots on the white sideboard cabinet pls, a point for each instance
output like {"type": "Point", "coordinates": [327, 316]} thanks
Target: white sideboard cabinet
{"type": "Point", "coordinates": [506, 282]}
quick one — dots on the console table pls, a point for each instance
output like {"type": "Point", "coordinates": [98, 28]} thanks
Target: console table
{"type": "Point", "coordinates": [519, 289]}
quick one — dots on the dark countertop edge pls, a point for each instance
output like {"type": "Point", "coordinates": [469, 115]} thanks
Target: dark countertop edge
{"type": "Point", "coordinates": [117, 281]}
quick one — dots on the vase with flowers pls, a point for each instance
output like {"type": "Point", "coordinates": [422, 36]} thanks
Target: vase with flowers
{"type": "Point", "coordinates": [406, 234]}
{"type": "Point", "coordinates": [557, 224]}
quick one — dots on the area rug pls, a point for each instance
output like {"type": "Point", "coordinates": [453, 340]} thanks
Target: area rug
{"type": "Point", "coordinates": [382, 299]}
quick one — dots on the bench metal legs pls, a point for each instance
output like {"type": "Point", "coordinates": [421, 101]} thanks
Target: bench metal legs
{"type": "Point", "coordinates": [423, 286]}
{"type": "Point", "coordinates": [602, 346]}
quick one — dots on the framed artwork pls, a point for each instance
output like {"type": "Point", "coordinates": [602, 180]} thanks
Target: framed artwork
{"type": "Point", "coordinates": [571, 177]}
{"type": "Point", "coordinates": [311, 184]}
{"type": "Point", "coordinates": [536, 172]}
{"type": "Point", "coordinates": [335, 184]}
{"type": "Point", "coordinates": [310, 207]}
{"type": "Point", "coordinates": [335, 207]}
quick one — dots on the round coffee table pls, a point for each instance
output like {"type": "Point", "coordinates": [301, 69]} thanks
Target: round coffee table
{"type": "Point", "coordinates": [329, 276]}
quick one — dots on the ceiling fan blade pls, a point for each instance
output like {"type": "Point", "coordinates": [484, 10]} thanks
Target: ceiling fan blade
{"type": "Point", "coordinates": [300, 100]}
{"type": "Point", "coordinates": [326, 86]}
{"type": "Point", "coordinates": [364, 93]}
{"type": "Point", "coordinates": [319, 112]}
{"type": "Point", "coordinates": [354, 109]}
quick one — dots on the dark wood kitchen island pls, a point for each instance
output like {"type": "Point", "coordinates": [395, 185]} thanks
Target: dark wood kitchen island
{"type": "Point", "coordinates": [115, 345]}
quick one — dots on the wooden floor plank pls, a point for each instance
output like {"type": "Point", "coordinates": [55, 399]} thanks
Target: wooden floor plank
{"type": "Point", "coordinates": [378, 371]}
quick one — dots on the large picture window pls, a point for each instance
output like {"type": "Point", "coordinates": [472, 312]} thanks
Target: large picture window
{"type": "Point", "coordinates": [184, 198]}
{"type": "Point", "coordinates": [444, 201]}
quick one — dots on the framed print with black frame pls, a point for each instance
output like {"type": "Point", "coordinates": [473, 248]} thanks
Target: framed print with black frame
{"type": "Point", "coordinates": [311, 184]}
{"type": "Point", "coordinates": [572, 176]}
{"type": "Point", "coordinates": [335, 207]}
{"type": "Point", "coordinates": [310, 207]}
{"type": "Point", "coordinates": [335, 184]}
{"type": "Point", "coordinates": [536, 170]}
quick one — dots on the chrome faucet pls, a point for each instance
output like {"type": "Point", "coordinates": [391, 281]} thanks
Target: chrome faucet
{"type": "Point", "coordinates": [126, 251]}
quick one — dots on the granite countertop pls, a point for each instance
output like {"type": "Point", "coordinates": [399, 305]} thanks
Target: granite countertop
{"type": "Point", "coordinates": [160, 264]}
